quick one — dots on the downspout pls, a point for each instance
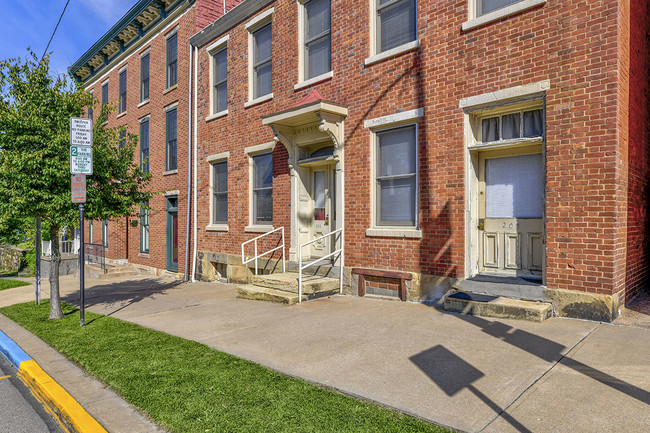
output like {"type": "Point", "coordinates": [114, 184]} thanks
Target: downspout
{"type": "Point", "coordinates": [189, 167]}
{"type": "Point", "coordinates": [196, 61]}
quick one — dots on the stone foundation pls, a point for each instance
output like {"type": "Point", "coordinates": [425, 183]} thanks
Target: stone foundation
{"type": "Point", "coordinates": [583, 305]}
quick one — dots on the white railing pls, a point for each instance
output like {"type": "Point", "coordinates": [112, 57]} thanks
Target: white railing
{"type": "Point", "coordinates": [339, 251]}
{"type": "Point", "coordinates": [266, 252]}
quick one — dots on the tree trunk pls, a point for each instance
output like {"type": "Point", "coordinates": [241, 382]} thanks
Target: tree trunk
{"type": "Point", "coordinates": [55, 298]}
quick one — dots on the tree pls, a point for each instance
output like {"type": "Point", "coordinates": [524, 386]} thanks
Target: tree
{"type": "Point", "coordinates": [35, 111]}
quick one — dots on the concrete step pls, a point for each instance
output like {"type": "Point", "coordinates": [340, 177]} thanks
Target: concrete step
{"type": "Point", "coordinates": [288, 282]}
{"type": "Point", "coordinates": [257, 293]}
{"type": "Point", "coordinates": [497, 307]}
{"type": "Point", "coordinates": [96, 272]}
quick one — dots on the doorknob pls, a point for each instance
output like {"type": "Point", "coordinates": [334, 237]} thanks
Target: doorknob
{"type": "Point", "coordinates": [481, 224]}
{"type": "Point", "coordinates": [327, 219]}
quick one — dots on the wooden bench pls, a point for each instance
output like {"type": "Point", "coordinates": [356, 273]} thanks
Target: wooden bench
{"type": "Point", "coordinates": [393, 275]}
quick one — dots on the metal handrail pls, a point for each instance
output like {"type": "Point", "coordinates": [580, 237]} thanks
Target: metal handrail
{"type": "Point", "coordinates": [96, 253]}
{"type": "Point", "coordinates": [266, 252]}
{"type": "Point", "coordinates": [339, 251]}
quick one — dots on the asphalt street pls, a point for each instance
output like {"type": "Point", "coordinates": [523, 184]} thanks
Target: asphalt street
{"type": "Point", "coordinates": [20, 412]}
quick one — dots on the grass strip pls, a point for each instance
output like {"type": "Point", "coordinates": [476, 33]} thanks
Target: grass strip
{"type": "Point", "coordinates": [6, 283]}
{"type": "Point", "coordinates": [189, 387]}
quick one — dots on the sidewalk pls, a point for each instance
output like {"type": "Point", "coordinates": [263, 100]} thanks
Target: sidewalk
{"type": "Point", "coordinates": [468, 373]}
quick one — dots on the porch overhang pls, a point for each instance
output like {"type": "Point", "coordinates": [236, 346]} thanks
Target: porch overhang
{"type": "Point", "coordinates": [309, 123]}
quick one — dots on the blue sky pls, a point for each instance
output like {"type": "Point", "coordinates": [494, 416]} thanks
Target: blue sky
{"type": "Point", "coordinates": [29, 23]}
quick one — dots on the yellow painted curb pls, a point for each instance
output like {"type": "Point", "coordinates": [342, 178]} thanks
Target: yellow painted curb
{"type": "Point", "coordinates": [59, 399]}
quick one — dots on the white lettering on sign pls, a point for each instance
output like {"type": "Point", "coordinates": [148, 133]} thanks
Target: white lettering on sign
{"type": "Point", "coordinates": [81, 132]}
{"type": "Point", "coordinates": [78, 183]}
{"type": "Point", "coordinates": [81, 160]}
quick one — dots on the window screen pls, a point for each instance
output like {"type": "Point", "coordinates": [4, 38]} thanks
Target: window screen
{"type": "Point", "coordinates": [492, 5]}
{"type": "Point", "coordinates": [144, 145]}
{"type": "Point", "coordinates": [122, 102]}
{"type": "Point", "coordinates": [262, 61]}
{"type": "Point", "coordinates": [396, 177]}
{"type": "Point", "coordinates": [172, 57]}
{"type": "Point", "coordinates": [317, 38]}
{"type": "Point", "coordinates": [396, 23]}
{"type": "Point", "coordinates": [220, 197]}
{"type": "Point", "coordinates": [144, 78]}
{"type": "Point", "coordinates": [171, 163]}
{"type": "Point", "coordinates": [220, 79]}
{"type": "Point", "coordinates": [263, 188]}
{"type": "Point", "coordinates": [514, 187]}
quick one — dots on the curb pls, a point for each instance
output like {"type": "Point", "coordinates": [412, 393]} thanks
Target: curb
{"type": "Point", "coordinates": [46, 389]}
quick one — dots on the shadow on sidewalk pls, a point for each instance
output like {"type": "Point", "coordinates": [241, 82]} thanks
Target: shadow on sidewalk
{"type": "Point", "coordinates": [452, 374]}
{"type": "Point", "coordinates": [122, 294]}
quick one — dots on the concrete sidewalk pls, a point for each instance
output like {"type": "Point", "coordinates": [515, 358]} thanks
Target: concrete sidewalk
{"type": "Point", "coordinates": [468, 373]}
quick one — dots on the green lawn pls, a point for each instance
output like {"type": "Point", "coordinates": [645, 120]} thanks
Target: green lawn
{"type": "Point", "coordinates": [10, 284]}
{"type": "Point", "coordinates": [190, 387]}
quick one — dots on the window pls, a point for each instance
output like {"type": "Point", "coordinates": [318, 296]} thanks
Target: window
{"type": "Point", "coordinates": [220, 81]}
{"type": "Point", "coordinates": [104, 94]}
{"type": "Point", "coordinates": [122, 137]}
{"type": "Point", "coordinates": [144, 78]}
{"type": "Point", "coordinates": [520, 124]}
{"type": "Point", "coordinates": [396, 23]}
{"type": "Point", "coordinates": [172, 57]}
{"type": "Point", "coordinates": [396, 177]}
{"type": "Point", "coordinates": [90, 231]}
{"type": "Point", "coordinates": [317, 34]}
{"type": "Point", "coordinates": [262, 61]}
{"type": "Point", "coordinates": [144, 228]}
{"type": "Point", "coordinates": [263, 188]}
{"type": "Point", "coordinates": [144, 145]}
{"type": "Point", "coordinates": [90, 107]}
{"type": "Point", "coordinates": [170, 122]}
{"type": "Point", "coordinates": [105, 233]}
{"type": "Point", "coordinates": [122, 84]}
{"type": "Point", "coordinates": [485, 6]}
{"type": "Point", "coordinates": [220, 192]}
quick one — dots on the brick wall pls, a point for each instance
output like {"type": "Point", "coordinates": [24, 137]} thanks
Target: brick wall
{"type": "Point", "coordinates": [572, 43]}
{"type": "Point", "coordinates": [638, 178]}
{"type": "Point", "coordinates": [122, 235]}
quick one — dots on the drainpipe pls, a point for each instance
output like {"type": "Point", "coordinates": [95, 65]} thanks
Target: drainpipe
{"type": "Point", "coordinates": [189, 167]}
{"type": "Point", "coordinates": [196, 62]}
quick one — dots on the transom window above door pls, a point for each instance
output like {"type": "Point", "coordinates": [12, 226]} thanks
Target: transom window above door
{"type": "Point", "coordinates": [509, 126]}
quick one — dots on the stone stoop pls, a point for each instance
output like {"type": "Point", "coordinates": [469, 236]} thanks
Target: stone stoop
{"type": "Point", "coordinates": [96, 272]}
{"type": "Point", "coordinates": [497, 307]}
{"type": "Point", "coordinates": [282, 288]}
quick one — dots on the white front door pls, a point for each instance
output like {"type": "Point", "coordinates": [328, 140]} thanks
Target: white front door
{"type": "Point", "coordinates": [511, 199]}
{"type": "Point", "coordinates": [321, 198]}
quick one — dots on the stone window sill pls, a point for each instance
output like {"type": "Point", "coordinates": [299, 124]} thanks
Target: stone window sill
{"type": "Point", "coordinates": [169, 89]}
{"type": "Point", "coordinates": [258, 228]}
{"type": "Point", "coordinates": [143, 255]}
{"type": "Point", "coordinates": [143, 103]}
{"type": "Point", "coordinates": [169, 172]}
{"type": "Point", "coordinates": [216, 115]}
{"type": "Point", "coordinates": [123, 113]}
{"type": "Point", "coordinates": [501, 13]}
{"type": "Point", "coordinates": [259, 100]}
{"type": "Point", "coordinates": [409, 46]}
{"type": "Point", "coordinates": [216, 228]}
{"type": "Point", "coordinates": [394, 232]}
{"type": "Point", "coordinates": [312, 81]}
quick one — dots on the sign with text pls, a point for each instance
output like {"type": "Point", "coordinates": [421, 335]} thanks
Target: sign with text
{"type": "Point", "coordinates": [81, 132]}
{"type": "Point", "coordinates": [78, 183]}
{"type": "Point", "coordinates": [81, 160]}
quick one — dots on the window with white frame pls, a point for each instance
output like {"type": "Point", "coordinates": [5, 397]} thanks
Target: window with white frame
{"type": "Point", "coordinates": [220, 192]}
{"type": "Point", "coordinates": [317, 45]}
{"type": "Point", "coordinates": [144, 78]}
{"type": "Point", "coordinates": [220, 80]}
{"type": "Point", "coordinates": [396, 23]}
{"type": "Point", "coordinates": [172, 60]}
{"type": "Point", "coordinates": [262, 188]}
{"type": "Point", "coordinates": [105, 233]}
{"type": "Point", "coordinates": [262, 61]}
{"type": "Point", "coordinates": [122, 85]}
{"type": "Point", "coordinates": [396, 176]}
{"type": "Point", "coordinates": [90, 106]}
{"type": "Point", "coordinates": [144, 228]}
{"type": "Point", "coordinates": [510, 125]}
{"type": "Point", "coordinates": [486, 6]}
{"type": "Point", "coordinates": [104, 93]}
{"type": "Point", "coordinates": [170, 133]}
{"type": "Point", "coordinates": [144, 144]}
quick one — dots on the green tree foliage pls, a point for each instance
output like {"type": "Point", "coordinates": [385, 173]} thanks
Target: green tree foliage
{"type": "Point", "coordinates": [35, 111]}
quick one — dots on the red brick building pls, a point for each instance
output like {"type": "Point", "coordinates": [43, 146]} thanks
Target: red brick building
{"type": "Point", "coordinates": [496, 146]}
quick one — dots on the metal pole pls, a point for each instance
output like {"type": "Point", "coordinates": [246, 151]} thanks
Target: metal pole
{"type": "Point", "coordinates": [81, 263]}
{"type": "Point", "coordinates": [38, 260]}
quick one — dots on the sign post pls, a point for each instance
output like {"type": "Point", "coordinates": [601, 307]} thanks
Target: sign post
{"type": "Point", "coordinates": [81, 164]}
{"type": "Point", "coordinates": [38, 260]}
